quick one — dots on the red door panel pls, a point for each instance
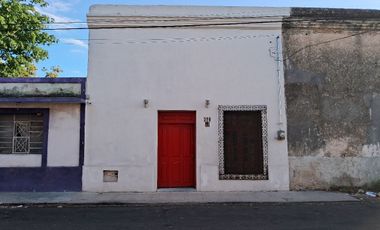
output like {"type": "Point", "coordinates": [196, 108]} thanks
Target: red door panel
{"type": "Point", "coordinates": [176, 149]}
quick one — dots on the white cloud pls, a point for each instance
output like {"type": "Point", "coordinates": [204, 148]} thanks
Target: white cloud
{"type": "Point", "coordinates": [54, 16]}
{"type": "Point", "coordinates": [77, 51]}
{"type": "Point", "coordinates": [56, 8]}
{"type": "Point", "coordinates": [76, 42]}
{"type": "Point", "coordinates": [59, 6]}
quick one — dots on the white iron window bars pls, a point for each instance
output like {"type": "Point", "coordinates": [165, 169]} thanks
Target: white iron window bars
{"type": "Point", "coordinates": [21, 133]}
{"type": "Point", "coordinates": [21, 137]}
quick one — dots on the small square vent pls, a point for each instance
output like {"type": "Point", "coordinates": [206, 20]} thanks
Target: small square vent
{"type": "Point", "coordinates": [110, 175]}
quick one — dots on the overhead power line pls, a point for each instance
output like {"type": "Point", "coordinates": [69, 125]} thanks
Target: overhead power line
{"type": "Point", "coordinates": [324, 42]}
{"type": "Point", "coordinates": [162, 26]}
{"type": "Point", "coordinates": [201, 18]}
{"type": "Point", "coordinates": [167, 19]}
{"type": "Point", "coordinates": [287, 20]}
{"type": "Point", "coordinates": [180, 25]}
{"type": "Point", "coordinates": [215, 39]}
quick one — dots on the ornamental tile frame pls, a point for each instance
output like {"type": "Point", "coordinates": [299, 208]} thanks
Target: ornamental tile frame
{"type": "Point", "coordinates": [264, 122]}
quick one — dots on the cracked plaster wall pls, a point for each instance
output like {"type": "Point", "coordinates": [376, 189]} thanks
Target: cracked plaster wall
{"type": "Point", "coordinates": [333, 104]}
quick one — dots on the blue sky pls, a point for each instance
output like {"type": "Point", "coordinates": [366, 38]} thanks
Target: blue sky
{"type": "Point", "coordinates": [71, 52]}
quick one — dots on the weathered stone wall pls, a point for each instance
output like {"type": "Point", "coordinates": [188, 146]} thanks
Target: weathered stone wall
{"type": "Point", "coordinates": [333, 98]}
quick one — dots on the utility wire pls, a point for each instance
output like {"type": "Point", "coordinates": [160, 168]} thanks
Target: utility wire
{"type": "Point", "coordinates": [330, 19]}
{"type": "Point", "coordinates": [164, 26]}
{"type": "Point", "coordinates": [181, 25]}
{"type": "Point", "coordinates": [184, 19]}
{"type": "Point", "coordinates": [324, 42]}
{"type": "Point", "coordinates": [199, 18]}
{"type": "Point", "coordinates": [214, 24]}
{"type": "Point", "coordinates": [167, 19]}
{"type": "Point", "coordinates": [208, 39]}
{"type": "Point", "coordinates": [236, 37]}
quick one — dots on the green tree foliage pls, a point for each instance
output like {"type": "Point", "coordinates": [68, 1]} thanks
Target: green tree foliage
{"type": "Point", "coordinates": [21, 35]}
{"type": "Point", "coordinates": [54, 71]}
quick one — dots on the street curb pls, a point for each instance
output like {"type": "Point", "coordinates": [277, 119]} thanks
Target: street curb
{"type": "Point", "coordinates": [86, 198]}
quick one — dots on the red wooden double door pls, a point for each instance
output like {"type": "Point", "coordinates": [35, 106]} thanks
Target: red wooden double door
{"type": "Point", "coordinates": [176, 149]}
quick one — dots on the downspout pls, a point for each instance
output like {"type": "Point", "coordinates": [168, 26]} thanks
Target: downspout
{"type": "Point", "coordinates": [280, 132]}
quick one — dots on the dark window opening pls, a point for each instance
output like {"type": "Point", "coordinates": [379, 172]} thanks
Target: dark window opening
{"type": "Point", "coordinates": [243, 143]}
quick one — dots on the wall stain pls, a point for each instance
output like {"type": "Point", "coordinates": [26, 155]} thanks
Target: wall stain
{"type": "Point", "coordinates": [333, 101]}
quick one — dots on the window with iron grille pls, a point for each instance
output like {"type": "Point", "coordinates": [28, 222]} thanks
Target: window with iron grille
{"type": "Point", "coordinates": [243, 147]}
{"type": "Point", "coordinates": [22, 133]}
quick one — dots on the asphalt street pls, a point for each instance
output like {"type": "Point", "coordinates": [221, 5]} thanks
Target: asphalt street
{"type": "Point", "coordinates": [341, 215]}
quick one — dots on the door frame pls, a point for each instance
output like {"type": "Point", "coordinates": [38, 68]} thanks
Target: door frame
{"type": "Point", "coordinates": [195, 147]}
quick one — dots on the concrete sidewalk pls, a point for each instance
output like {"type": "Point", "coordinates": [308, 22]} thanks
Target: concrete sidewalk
{"type": "Point", "coordinates": [169, 197]}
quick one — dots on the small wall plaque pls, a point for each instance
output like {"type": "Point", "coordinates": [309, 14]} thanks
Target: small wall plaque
{"type": "Point", "coordinates": [207, 121]}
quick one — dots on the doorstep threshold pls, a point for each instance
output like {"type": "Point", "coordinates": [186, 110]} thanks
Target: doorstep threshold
{"type": "Point", "coordinates": [176, 190]}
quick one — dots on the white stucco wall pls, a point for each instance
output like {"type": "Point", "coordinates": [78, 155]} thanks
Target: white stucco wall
{"type": "Point", "coordinates": [20, 160]}
{"type": "Point", "coordinates": [176, 69]}
{"type": "Point", "coordinates": [63, 137]}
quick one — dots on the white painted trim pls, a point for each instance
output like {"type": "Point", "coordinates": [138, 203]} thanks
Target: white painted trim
{"type": "Point", "coordinates": [124, 16]}
{"type": "Point", "coordinates": [20, 160]}
{"type": "Point", "coordinates": [185, 11]}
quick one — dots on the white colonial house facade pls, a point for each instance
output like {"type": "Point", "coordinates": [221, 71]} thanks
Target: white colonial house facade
{"type": "Point", "coordinates": [185, 97]}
